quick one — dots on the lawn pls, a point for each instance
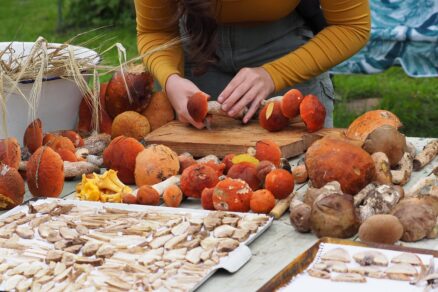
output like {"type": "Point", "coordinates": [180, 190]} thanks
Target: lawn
{"type": "Point", "coordinates": [415, 101]}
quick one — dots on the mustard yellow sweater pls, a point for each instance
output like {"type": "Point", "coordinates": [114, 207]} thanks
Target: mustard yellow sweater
{"type": "Point", "coordinates": [348, 31]}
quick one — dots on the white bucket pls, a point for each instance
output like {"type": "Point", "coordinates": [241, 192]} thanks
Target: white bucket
{"type": "Point", "coordinates": [58, 105]}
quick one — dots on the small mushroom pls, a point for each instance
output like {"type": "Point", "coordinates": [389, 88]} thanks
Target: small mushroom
{"type": "Point", "coordinates": [403, 272]}
{"type": "Point", "coordinates": [11, 187]}
{"type": "Point", "coordinates": [33, 136]}
{"type": "Point", "coordinates": [290, 103]}
{"type": "Point", "coordinates": [271, 118]}
{"type": "Point", "coordinates": [336, 254]}
{"type": "Point", "coordinates": [268, 150]}
{"type": "Point", "coordinates": [130, 124]}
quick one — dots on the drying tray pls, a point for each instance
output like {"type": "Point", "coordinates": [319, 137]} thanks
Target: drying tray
{"type": "Point", "coordinates": [303, 261]}
{"type": "Point", "coordinates": [231, 263]}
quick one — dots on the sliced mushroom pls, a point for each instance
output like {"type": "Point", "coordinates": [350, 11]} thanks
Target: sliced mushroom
{"type": "Point", "coordinates": [336, 254]}
{"type": "Point", "coordinates": [175, 254]}
{"type": "Point", "coordinates": [24, 232]}
{"type": "Point", "coordinates": [160, 241]}
{"type": "Point", "coordinates": [53, 256]}
{"type": "Point", "coordinates": [369, 271]}
{"type": "Point", "coordinates": [223, 231]}
{"type": "Point", "coordinates": [180, 228]}
{"type": "Point", "coordinates": [90, 248]}
{"type": "Point", "coordinates": [335, 266]}
{"type": "Point", "coordinates": [68, 233]}
{"type": "Point", "coordinates": [212, 221]}
{"type": "Point", "coordinates": [241, 234]}
{"type": "Point", "coordinates": [349, 277]}
{"type": "Point", "coordinates": [227, 245]}
{"type": "Point", "coordinates": [403, 272]}
{"type": "Point", "coordinates": [173, 242]}
{"type": "Point", "coordinates": [210, 243]}
{"type": "Point", "coordinates": [369, 258]}
{"type": "Point", "coordinates": [73, 248]}
{"type": "Point", "coordinates": [194, 255]}
{"type": "Point", "coordinates": [318, 273]}
{"type": "Point", "coordinates": [407, 258]}
{"type": "Point", "coordinates": [105, 251]}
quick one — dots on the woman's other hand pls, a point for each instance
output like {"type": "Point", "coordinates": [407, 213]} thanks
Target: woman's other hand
{"type": "Point", "coordinates": [248, 88]}
{"type": "Point", "coordinates": [178, 91]}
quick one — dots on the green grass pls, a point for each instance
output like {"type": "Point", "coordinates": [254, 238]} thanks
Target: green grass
{"type": "Point", "coordinates": [415, 101]}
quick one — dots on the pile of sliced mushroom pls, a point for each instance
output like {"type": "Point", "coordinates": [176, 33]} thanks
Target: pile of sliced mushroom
{"type": "Point", "coordinates": [68, 248]}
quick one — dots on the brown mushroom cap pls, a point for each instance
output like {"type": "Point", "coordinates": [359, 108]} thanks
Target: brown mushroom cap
{"type": "Point", "coordinates": [155, 164]}
{"type": "Point", "coordinates": [381, 228]}
{"type": "Point", "coordinates": [313, 112]}
{"type": "Point", "coordinates": [196, 178]}
{"type": "Point", "coordinates": [334, 215]}
{"type": "Point", "coordinates": [11, 187]}
{"type": "Point", "coordinates": [197, 106]}
{"type": "Point", "coordinates": [290, 103]}
{"type": "Point", "coordinates": [33, 136]}
{"type": "Point", "coordinates": [140, 84]}
{"type": "Point", "coordinates": [10, 152]}
{"type": "Point", "coordinates": [361, 127]}
{"type": "Point", "coordinates": [271, 118]}
{"type": "Point", "coordinates": [417, 217]}
{"type": "Point", "coordinates": [330, 159]}
{"type": "Point", "coordinates": [147, 195]}
{"type": "Point", "coordinates": [388, 140]}
{"type": "Point", "coordinates": [45, 173]}
{"type": "Point", "coordinates": [246, 171]}
{"type": "Point", "coordinates": [130, 124]}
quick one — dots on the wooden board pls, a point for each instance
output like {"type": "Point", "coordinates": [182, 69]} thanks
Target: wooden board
{"type": "Point", "coordinates": [231, 136]}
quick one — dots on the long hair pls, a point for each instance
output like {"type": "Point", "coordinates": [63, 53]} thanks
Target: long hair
{"type": "Point", "coordinates": [201, 27]}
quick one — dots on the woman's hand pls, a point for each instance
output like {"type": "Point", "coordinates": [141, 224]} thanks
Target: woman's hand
{"type": "Point", "coordinates": [178, 91]}
{"type": "Point", "coordinates": [249, 86]}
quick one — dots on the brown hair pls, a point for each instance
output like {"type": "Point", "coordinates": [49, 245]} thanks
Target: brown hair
{"type": "Point", "coordinates": [201, 27]}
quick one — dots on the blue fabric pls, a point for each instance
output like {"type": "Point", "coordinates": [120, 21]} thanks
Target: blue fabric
{"type": "Point", "coordinates": [403, 32]}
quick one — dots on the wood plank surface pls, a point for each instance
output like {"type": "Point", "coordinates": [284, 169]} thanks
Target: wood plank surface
{"type": "Point", "coordinates": [231, 136]}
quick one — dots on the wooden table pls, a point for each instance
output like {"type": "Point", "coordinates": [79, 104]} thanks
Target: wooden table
{"type": "Point", "coordinates": [278, 245]}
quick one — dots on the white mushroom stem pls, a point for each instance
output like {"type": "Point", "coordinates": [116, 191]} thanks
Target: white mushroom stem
{"type": "Point", "coordinates": [427, 155]}
{"type": "Point", "coordinates": [207, 158]}
{"type": "Point", "coordinates": [426, 186]}
{"type": "Point", "coordinates": [71, 169]}
{"type": "Point", "coordinates": [401, 175]}
{"type": "Point", "coordinates": [281, 206]}
{"type": "Point", "coordinates": [383, 169]}
{"type": "Point", "coordinates": [215, 109]}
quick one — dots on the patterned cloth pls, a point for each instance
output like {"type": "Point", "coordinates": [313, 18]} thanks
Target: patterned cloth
{"type": "Point", "coordinates": [404, 32]}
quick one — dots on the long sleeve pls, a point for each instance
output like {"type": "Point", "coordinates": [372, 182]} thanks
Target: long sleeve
{"type": "Point", "coordinates": [348, 31]}
{"type": "Point", "coordinates": [153, 30]}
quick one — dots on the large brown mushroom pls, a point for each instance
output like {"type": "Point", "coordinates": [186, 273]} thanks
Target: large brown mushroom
{"type": "Point", "coordinates": [11, 187]}
{"type": "Point", "coordinates": [138, 82]}
{"type": "Point", "coordinates": [333, 215]}
{"type": "Point", "coordinates": [330, 159]}
{"type": "Point", "coordinates": [120, 155]}
{"type": "Point", "coordinates": [45, 173]}
{"type": "Point", "coordinates": [10, 152]}
{"type": "Point", "coordinates": [154, 164]}
{"type": "Point", "coordinates": [246, 171]}
{"type": "Point", "coordinates": [417, 217]}
{"type": "Point", "coordinates": [313, 112]}
{"type": "Point", "coordinates": [33, 136]}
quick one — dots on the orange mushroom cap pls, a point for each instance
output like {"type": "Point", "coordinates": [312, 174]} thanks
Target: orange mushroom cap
{"type": "Point", "coordinates": [290, 103]}
{"type": "Point", "coordinates": [33, 136]}
{"type": "Point", "coordinates": [196, 178]}
{"type": "Point", "coordinates": [232, 195]}
{"type": "Point", "coordinates": [361, 127]}
{"type": "Point", "coordinates": [147, 195]}
{"type": "Point", "coordinates": [11, 187]}
{"type": "Point", "coordinates": [262, 201]}
{"type": "Point", "coordinates": [313, 113]}
{"type": "Point", "coordinates": [197, 106]}
{"type": "Point", "coordinates": [280, 183]}
{"type": "Point", "coordinates": [207, 199]}
{"type": "Point", "coordinates": [271, 118]}
{"type": "Point", "coordinates": [10, 152]}
{"type": "Point", "coordinates": [267, 149]}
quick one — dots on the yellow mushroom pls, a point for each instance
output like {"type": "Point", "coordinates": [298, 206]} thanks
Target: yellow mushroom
{"type": "Point", "coordinates": [112, 198]}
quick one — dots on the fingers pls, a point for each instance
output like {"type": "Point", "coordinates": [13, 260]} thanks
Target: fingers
{"type": "Point", "coordinates": [255, 105]}
{"type": "Point", "coordinates": [249, 97]}
{"type": "Point", "coordinates": [229, 89]}
{"type": "Point", "coordinates": [235, 96]}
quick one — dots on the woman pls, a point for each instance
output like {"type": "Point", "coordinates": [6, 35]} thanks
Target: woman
{"type": "Point", "coordinates": [244, 51]}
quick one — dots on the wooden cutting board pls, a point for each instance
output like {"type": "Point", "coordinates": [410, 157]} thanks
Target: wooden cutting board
{"type": "Point", "coordinates": [231, 136]}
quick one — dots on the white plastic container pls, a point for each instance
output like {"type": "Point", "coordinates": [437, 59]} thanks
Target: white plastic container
{"type": "Point", "coordinates": [59, 102]}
